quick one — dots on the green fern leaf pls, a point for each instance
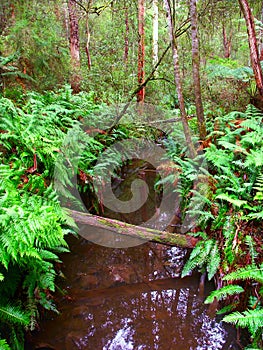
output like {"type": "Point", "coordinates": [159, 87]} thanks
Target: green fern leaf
{"type": "Point", "coordinates": [14, 315]}
{"type": "Point", "coordinates": [248, 272]}
{"type": "Point", "coordinates": [213, 261]}
{"type": "Point", "coordinates": [234, 201]}
{"type": "Point", "coordinates": [224, 292]}
{"type": "Point", "coordinates": [4, 345]}
{"type": "Point", "coordinates": [251, 319]}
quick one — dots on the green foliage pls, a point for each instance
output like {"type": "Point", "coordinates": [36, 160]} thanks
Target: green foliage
{"type": "Point", "coordinates": [4, 345]}
{"type": "Point", "coordinates": [224, 292]}
{"type": "Point", "coordinates": [42, 52]}
{"type": "Point", "coordinates": [245, 273]}
{"type": "Point", "coordinates": [251, 319]}
{"type": "Point", "coordinates": [223, 71]}
{"type": "Point", "coordinates": [204, 255]}
{"type": "Point", "coordinates": [33, 225]}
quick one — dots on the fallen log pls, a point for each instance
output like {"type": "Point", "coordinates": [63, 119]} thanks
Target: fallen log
{"type": "Point", "coordinates": [144, 233]}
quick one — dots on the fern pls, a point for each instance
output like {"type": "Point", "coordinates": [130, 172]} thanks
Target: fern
{"type": "Point", "coordinates": [223, 293]}
{"type": "Point", "coordinates": [251, 319]}
{"type": "Point", "coordinates": [14, 314]}
{"type": "Point", "coordinates": [252, 248]}
{"type": "Point", "coordinates": [244, 273]}
{"type": "Point", "coordinates": [205, 254]}
{"type": "Point", "coordinates": [4, 345]}
{"type": "Point", "coordinates": [236, 202]}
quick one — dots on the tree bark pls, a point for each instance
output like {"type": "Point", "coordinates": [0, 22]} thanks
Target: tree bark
{"type": "Point", "coordinates": [155, 31]}
{"type": "Point", "coordinates": [260, 49]}
{"type": "Point", "coordinates": [74, 46]}
{"type": "Point", "coordinates": [196, 71]}
{"type": "Point", "coordinates": [126, 38]}
{"type": "Point", "coordinates": [177, 79]}
{"type": "Point", "coordinates": [88, 36]}
{"type": "Point", "coordinates": [122, 228]}
{"type": "Point", "coordinates": [227, 42]}
{"type": "Point", "coordinates": [254, 55]}
{"type": "Point", "coordinates": [141, 50]}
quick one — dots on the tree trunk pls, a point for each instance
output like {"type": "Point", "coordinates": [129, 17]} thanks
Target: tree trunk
{"type": "Point", "coordinates": [177, 78]}
{"type": "Point", "coordinates": [155, 31]}
{"type": "Point", "coordinates": [74, 46]}
{"type": "Point", "coordinates": [87, 50]}
{"type": "Point", "coordinates": [87, 43]}
{"type": "Point", "coordinates": [261, 37]}
{"type": "Point", "coordinates": [227, 42]}
{"type": "Point", "coordinates": [196, 71]}
{"type": "Point", "coordinates": [254, 55]}
{"type": "Point", "coordinates": [141, 50]}
{"type": "Point", "coordinates": [122, 228]}
{"type": "Point", "coordinates": [126, 38]}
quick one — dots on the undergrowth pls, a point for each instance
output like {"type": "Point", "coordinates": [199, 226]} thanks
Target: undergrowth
{"type": "Point", "coordinates": [33, 225]}
{"type": "Point", "coordinates": [222, 204]}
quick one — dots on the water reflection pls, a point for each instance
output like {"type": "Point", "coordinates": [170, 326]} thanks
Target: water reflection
{"type": "Point", "coordinates": [129, 299]}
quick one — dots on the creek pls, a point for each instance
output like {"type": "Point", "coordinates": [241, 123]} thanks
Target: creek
{"type": "Point", "coordinates": [130, 298]}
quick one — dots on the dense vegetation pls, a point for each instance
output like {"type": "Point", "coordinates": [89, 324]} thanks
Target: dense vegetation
{"type": "Point", "coordinates": [220, 189]}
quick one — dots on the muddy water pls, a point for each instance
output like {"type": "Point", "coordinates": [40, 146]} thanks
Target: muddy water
{"type": "Point", "coordinates": [129, 299]}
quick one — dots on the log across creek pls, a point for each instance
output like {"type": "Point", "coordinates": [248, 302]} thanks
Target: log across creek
{"type": "Point", "coordinates": [144, 233]}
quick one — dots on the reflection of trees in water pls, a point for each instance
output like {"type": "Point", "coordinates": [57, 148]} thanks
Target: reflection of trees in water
{"type": "Point", "coordinates": [161, 320]}
{"type": "Point", "coordinates": [132, 307]}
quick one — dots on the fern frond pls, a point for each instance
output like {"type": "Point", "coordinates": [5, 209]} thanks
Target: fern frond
{"type": "Point", "coordinates": [252, 248]}
{"type": "Point", "coordinates": [234, 201]}
{"type": "Point", "coordinates": [14, 315]}
{"type": "Point", "coordinates": [251, 319]}
{"type": "Point", "coordinates": [4, 345]}
{"type": "Point", "coordinates": [248, 272]}
{"type": "Point", "coordinates": [223, 293]}
{"type": "Point", "coordinates": [213, 261]}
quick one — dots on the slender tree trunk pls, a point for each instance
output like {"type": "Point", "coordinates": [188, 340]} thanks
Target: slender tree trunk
{"type": "Point", "coordinates": [74, 46]}
{"type": "Point", "coordinates": [87, 43]}
{"type": "Point", "coordinates": [141, 50]}
{"type": "Point", "coordinates": [177, 79]}
{"type": "Point", "coordinates": [254, 55]}
{"type": "Point", "coordinates": [261, 37]}
{"type": "Point", "coordinates": [126, 38]}
{"type": "Point", "coordinates": [227, 42]}
{"type": "Point", "coordinates": [155, 31]}
{"type": "Point", "coordinates": [196, 71]}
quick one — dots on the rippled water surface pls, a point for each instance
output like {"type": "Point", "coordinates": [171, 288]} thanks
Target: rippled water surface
{"type": "Point", "coordinates": [130, 299]}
